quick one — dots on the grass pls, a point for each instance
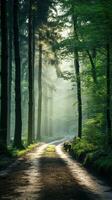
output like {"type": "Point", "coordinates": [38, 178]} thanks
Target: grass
{"type": "Point", "coordinates": [19, 153]}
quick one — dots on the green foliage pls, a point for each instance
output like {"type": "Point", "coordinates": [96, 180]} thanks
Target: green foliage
{"type": "Point", "coordinates": [94, 156]}
{"type": "Point", "coordinates": [19, 153]}
{"type": "Point", "coordinates": [100, 160]}
{"type": "Point", "coordinates": [104, 164]}
{"type": "Point", "coordinates": [81, 146]}
{"type": "Point", "coordinates": [93, 130]}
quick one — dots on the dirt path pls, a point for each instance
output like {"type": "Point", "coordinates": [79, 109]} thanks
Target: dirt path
{"type": "Point", "coordinates": [47, 173]}
{"type": "Point", "coordinates": [57, 180]}
{"type": "Point", "coordinates": [22, 181]}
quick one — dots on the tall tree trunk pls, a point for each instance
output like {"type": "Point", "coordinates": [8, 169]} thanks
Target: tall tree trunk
{"type": "Point", "coordinates": [79, 99]}
{"type": "Point", "coordinates": [30, 67]}
{"type": "Point", "coordinates": [33, 66]}
{"type": "Point", "coordinates": [39, 92]}
{"type": "Point", "coordinates": [51, 113]}
{"type": "Point", "coordinates": [109, 123]}
{"type": "Point", "coordinates": [46, 110]}
{"type": "Point", "coordinates": [78, 81]}
{"type": "Point", "coordinates": [10, 4]}
{"type": "Point", "coordinates": [18, 117]}
{"type": "Point", "coordinates": [4, 78]}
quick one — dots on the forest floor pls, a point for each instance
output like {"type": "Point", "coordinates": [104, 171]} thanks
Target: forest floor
{"type": "Point", "coordinates": [48, 173]}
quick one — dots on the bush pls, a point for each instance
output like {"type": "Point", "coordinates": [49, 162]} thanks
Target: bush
{"type": "Point", "coordinates": [81, 147]}
{"type": "Point", "coordinates": [92, 156]}
{"type": "Point", "coordinates": [93, 130]}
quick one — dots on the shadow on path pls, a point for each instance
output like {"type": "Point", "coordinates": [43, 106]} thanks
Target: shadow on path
{"type": "Point", "coordinates": [43, 175]}
{"type": "Point", "coordinates": [58, 183]}
{"type": "Point", "coordinates": [17, 178]}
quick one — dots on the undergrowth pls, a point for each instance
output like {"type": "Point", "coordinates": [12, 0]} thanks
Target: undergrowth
{"type": "Point", "coordinates": [18, 153]}
{"type": "Point", "coordinates": [92, 149]}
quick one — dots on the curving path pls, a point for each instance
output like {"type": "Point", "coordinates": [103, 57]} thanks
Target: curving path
{"type": "Point", "coordinates": [47, 173]}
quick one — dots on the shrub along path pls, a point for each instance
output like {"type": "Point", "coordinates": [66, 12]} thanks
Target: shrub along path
{"type": "Point", "coordinates": [45, 174]}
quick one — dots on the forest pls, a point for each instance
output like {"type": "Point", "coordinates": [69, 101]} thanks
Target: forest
{"type": "Point", "coordinates": [56, 92]}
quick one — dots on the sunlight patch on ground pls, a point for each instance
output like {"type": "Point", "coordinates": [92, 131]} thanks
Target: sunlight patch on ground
{"type": "Point", "coordinates": [33, 175]}
{"type": "Point", "coordinates": [23, 178]}
{"type": "Point", "coordinates": [50, 151]}
{"type": "Point", "coordinates": [84, 177]}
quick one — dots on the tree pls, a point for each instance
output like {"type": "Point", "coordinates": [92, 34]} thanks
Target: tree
{"type": "Point", "coordinates": [108, 21]}
{"type": "Point", "coordinates": [42, 16]}
{"type": "Point", "coordinates": [78, 81]}
{"type": "Point", "coordinates": [18, 119]}
{"type": "Point", "coordinates": [10, 38]}
{"type": "Point", "coordinates": [4, 78]}
{"type": "Point", "coordinates": [75, 50]}
{"type": "Point", "coordinates": [39, 91]}
{"type": "Point", "coordinates": [33, 68]}
{"type": "Point", "coordinates": [30, 67]}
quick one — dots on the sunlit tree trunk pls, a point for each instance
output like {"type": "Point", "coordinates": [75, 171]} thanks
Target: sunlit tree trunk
{"type": "Point", "coordinates": [18, 117]}
{"type": "Point", "coordinates": [4, 78]}
{"type": "Point", "coordinates": [46, 110]}
{"type": "Point", "coordinates": [51, 113]}
{"type": "Point", "coordinates": [33, 53]}
{"type": "Point", "coordinates": [39, 92]}
{"type": "Point", "coordinates": [30, 67]}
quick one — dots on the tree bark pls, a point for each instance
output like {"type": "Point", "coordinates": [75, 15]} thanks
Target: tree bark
{"type": "Point", "coordinates": [4, 78]}
{"type": "Point", "coordinates": [46, 110]}
{"type": "Point", "coordinates": [30, 67]}
{"type": "Point", "coordinates": [51, 113]}
{"type": "Point", "coordinates": [18, 117]}
{"type": "Point", "coordinates": [33, 53]}
{"type": "Point", "coordinates": [10, 4]}
{"type": "Point", "coordinates": [79, 99]}
{"type": "Point", "coordinates": [78, 80]}
{"type": "Point", "coordinates": [39, 92]}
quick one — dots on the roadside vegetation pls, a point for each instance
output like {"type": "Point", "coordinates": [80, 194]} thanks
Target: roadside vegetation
{"type": "Point", "coordinates": [13, 154]}
{"type": "Point", "coordinates": [93, 152]}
